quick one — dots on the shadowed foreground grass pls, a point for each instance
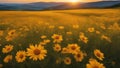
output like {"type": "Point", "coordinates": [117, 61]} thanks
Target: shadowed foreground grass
{"type": "Point", "coordinates": [60, 39]}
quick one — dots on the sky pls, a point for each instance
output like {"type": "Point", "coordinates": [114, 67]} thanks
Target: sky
{"type": "Point", "coordinates": [29, 1]}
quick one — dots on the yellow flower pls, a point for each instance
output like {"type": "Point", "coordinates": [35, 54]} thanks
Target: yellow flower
{"type": "Point", "coordinates": [7, 49]}
{"type": "Point", "coordinates": [106, 38]}
{"type": "Point", "coordinates": [57, 47]}
{"type": "Point", "coordinates": [20, 56]}
{"type": "Point", "coordinates": [57, 38]}
{"type": "Point", "coordinates": [98, 54]}
{"type": "Point", "coordinates": [1, 33]}
{"type": "Point", "coordinates": [51, 26]}
{"type": "Point", "coordinates": [67, 60]}
{"type": "Point", "coordinates": [97, 32]}
{"type": "Point", "coordinates": [43, 37]}
{"type": "Point", "coordinates": [91, 29]}
{"type": "Point", "coordinates": [68, 33]}
{"type": "Point", "coordinates": [11, 32]}
{"type": "Point", "coordinates": [36, 52]}
{"type": "Point", "coordinates": [76, 26]}
{"type": "Point", "coordinates": [79, 56]}
{"type": "Point", "coordinates": [9, 38]}
{"type": "Point", "coordinates": [8, 58]}
{"type": "Point", "coordinates": [42, 43]}
{"type": "Point", "coordinates": [73, 48]}
{"type": "Point", "coordinates": [61, 27]}
{"type": "Point", "coordinates": [83, 38]}
{"type": "Point", "coordinates": [65, 50]}
{"type": "Point", "coordinates": [47, 41]}
{"type": "Point", "coordinates": [94, 64]}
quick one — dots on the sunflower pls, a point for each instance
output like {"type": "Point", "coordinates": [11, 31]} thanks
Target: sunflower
{"type": "Point", "coordinates": [11, 32]}
{"type": "Point", "coordinates": [91, 29]}
{"type": "Point", "coordinates": [69, 33]}
{"type": "Point", "coordinates": [1, 33]}
{"type": "Point", "coordinates": [7, 49]}
{"type": "Point", "coordinates": [36, 52]}
{"type": "Point", "coordinates": [43, 37]}
{"type": "Point", "coordinates": [73, 48]}
{"type": "Point", "coordinates": [8, 58]}
{"type": "Point", "coordinates": [94, 64]}
{"type": "Point", "coordinates": [67, 60]}
{"type": "Point", "coordinates": [57, 38]}
{"type": "Point", "coordinates": [64, 50]}
{"type": "Point", "coordinates": [83, 38]}
{"type": "Point", "coordinates": [79, 56]}
{"type": "Point", "coordinates": [46, 41]}
{"type": "Point", "coordinates": [57, 47]}
{"type": "Point", "coordinates": [61, 27]}
{"type": "Point", "coordinates": [98, 54]}
{"type": "Point", "coordinates": [76, 26]}
{"type": "Point", "coordinates": [20, 56]}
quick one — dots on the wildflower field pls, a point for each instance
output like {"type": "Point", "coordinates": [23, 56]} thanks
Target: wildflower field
{"type": "Point", "coordinates": [84, 38]}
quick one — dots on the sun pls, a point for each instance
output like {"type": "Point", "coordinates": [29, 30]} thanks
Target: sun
{"type": "Point", "coordinates": [74, 0]}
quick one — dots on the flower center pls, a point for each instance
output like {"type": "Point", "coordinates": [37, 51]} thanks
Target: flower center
{"type": "Point", "coordinates": [21, 56]}
{"type": "Point", "coordinates": [98, 54]}
{"type": "Point", "coordinates": [57, 37]}
{"type": "Point", "coordinates": [95, 67]}
{"type": "Point", "coordinates": [73, 47]}
{"type": "Point", "coordinates": [36, 51]}
{"type": "Point", "coordinates": [78, 55]}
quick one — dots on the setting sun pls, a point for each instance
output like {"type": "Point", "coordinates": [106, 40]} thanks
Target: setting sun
{"type": "Point", "coordinates": [74, 0]}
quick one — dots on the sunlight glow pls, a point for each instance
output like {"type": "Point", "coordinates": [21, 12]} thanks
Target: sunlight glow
{"type": "Point", "coordinates": [74, 0]}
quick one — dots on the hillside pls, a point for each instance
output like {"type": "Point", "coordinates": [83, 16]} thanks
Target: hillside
{"type": "Point", "coordinates": [57, 5]}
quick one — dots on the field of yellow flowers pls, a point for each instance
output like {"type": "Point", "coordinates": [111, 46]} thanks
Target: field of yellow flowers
{"type": "Point", "coordinates": [85, 38]}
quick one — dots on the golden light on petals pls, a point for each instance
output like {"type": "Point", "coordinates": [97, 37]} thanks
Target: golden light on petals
{"type": "Point", "coordinates": [94, 64]}
{"type": "Point", "coordinates": [20, 56]}
{"type": "Point", "coordinates": [8, 58]}
{"type": "Point", "coordinates": [99, 54]}
{"type": "Point", "coordinates": [37, 52]}
{"type": "Point", "coordinates": [67, 60]}
{"type": "Point", "coordinates": [57, 47]}
{"type": "Point", "coordinates": [7, 49]}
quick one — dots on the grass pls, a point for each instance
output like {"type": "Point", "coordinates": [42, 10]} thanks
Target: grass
{"type": "Point", "coordinates": [29, 26]}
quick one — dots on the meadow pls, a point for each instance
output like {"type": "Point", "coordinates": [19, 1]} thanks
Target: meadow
{"type": "Point", "coordinates": [83, 38]}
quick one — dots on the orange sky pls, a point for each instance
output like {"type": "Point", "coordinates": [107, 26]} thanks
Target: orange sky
{"type": "Point", "coordinates": [27, 1]}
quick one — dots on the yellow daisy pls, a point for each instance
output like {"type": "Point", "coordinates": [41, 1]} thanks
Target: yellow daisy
{"type": "Point", "coordinates": [73, 48]}
{"type": "Point", "coordinates": [57, 38]}
{"type": "Point", "coordinates": [69, 33]}
{"type": "Point", "coordinates": [104, 37]}
{"type": "Point", "coordinates": [97, 32]}
{"type": "Point", "coordinates": [91, 29]}
{"type": "Point", "coordinates": [43, 37]}
{"type": "Point", "coordinates": [7, 49]}
{"type": "Point", "coordinates": [11, 32]}
{"type": "Point", "coordinates": [8, 58]}
{"type": "Point", "coordinates": [1, 33]}
{"type": "Point", "coordinates": [94, 64]}
{"type": "Point", "coordinates": [57, 47]}
{"type": "Point", "coordinates": [20, 56]}
{"type": "Point", "coordinates": [83, 38]}
{"type": "Point", "coordinates": [99, 54]}
{"type": "Point", "coordinates": [67, 60]}
{"type": "Point", "coordinates": [75, 26]}
{"type": "Point", "coordinates": [46, 41]}
{"type": "Point", "coordinates": [36, 52]}
{"type": "Point", "coordinates": [61, 27]}
{"type": "Point", "coordinates": [64, 50]}
{"type": "Point", "coordinates": [79, 56]}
